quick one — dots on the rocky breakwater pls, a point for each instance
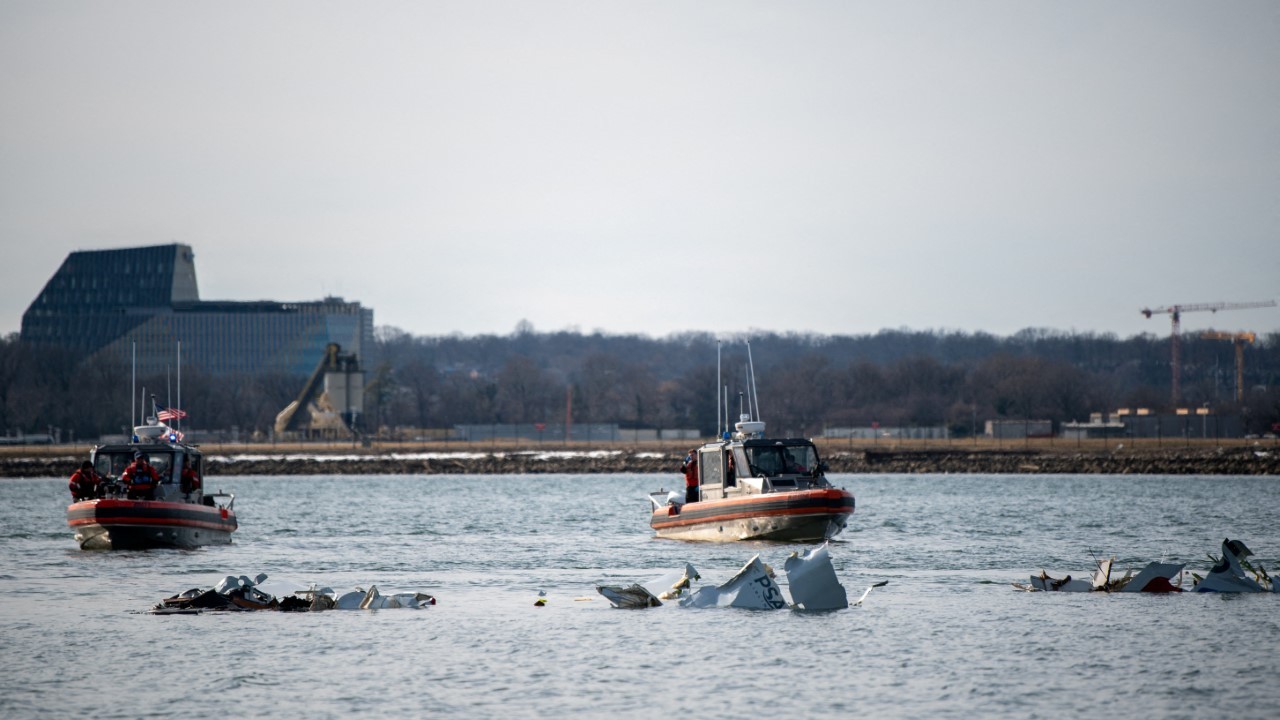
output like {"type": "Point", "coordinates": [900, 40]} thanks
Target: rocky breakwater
{"type": "Point", "coordinates": [1261, 460]}
{"type": "Point", "coordinates": [467, 463]}
{"type": "Point", "coordinates": [1201, 461]}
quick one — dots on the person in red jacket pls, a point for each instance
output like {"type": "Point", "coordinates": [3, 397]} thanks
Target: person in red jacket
{"type": "Point", "coordinates": [190, 480]}
{"type": "Point", "coordinates": [85, 483]}
{"type": "Point", "coordinates": [690, 470]}
{"type": "Point", "coordinates": [140, 478]}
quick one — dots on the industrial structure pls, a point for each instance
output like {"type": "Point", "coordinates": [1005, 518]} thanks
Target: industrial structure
{"type": "Point", "coordinates": [1175, 315]}
{"type": "Point", "coordinates": [1238, 339]}
{"type": "Point", "coordinates": [330, 402]}
{"type": "Point", "coordinates": [142, 302]}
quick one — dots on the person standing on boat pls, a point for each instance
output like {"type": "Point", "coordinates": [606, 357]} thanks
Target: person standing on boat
{"type": "Point", "coordinates": [690, 470]}
{"type": "Point", "coordinates": [190, 480]}
{"type": "Point", "coordinates": [84, 483]}
{"type": "Point", "coordinates": [140, 478]}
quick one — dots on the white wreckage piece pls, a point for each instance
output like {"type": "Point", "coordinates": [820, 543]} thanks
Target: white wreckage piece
{"type": "Point", "coordinates": [1156, 577]}
{"type": "Point", "coordinates": [752, 588]}
{"type": "Point", "coordinates": [652, 593]}
{"type": "Point", "coordinates": [371, 599]}
{"type": "Point", "coordinates": [241, 593]}
{"type": "Point", "coordinates": [811, 579]}
{"type": "Point", "coordinates": [1231, 573]}
{"type": "Point", "coordinates": [1228, 572]}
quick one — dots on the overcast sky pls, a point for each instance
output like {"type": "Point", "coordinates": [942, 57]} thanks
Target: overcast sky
{"type": "Point", "coordinates": [655, 167]}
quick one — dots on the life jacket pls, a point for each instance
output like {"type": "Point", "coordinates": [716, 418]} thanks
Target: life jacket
{"type": "Point", "coordinates": [82, 485]}
{"type": "Point", "coordinates": [140, 477]}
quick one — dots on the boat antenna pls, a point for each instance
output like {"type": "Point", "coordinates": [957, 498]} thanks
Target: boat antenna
{"type": "Point", "coordinates": [179, 418]}
{"type": "Point", "coordinates": [133, 391]}
{"type": "Point", "coordinates": [751, 368]}
{"type": "Point", "coordinates": [726, 411]}
{"type": "Point", "coordinates": [719, 424]}
{"type": "Point", "coordinates": [168, 386]}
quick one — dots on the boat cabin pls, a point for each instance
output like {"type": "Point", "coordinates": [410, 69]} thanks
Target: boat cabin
{"type": "Point", "coordinates": [165, 456]}
{"type": "Point", "coordinates": [757, 465]}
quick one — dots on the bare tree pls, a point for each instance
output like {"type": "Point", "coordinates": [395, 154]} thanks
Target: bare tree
{"type": "Point", "coordinates": [523, 392]}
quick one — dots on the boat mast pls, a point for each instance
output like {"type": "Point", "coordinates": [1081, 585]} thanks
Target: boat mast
{"type": "Point", "coordinates": [133, 391]}
{"type": "Point", "coordinates": [725, 398]}
{"type": "Point", "coordinates": [751, 369]}
{"type": "Point", "coordinates": [719, 424]}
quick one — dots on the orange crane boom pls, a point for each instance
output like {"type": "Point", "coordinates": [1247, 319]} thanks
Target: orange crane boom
{"type": "Point", "coordinates": [1175, 314]}
{"type": "Point", "coordinates": [1239, 339]}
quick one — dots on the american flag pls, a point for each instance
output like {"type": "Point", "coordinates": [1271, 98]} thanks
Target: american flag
{"type": "Point", "coordinates": [170, 414]}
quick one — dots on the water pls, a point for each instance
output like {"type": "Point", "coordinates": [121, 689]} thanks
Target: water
{"type": "Point", "coordinates": [948, 637]}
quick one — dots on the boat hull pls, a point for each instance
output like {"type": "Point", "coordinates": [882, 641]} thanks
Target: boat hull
{"type": "Point", "coordinates": [799, 516]}
{"type": "Point", "coordinates": [112, 524]}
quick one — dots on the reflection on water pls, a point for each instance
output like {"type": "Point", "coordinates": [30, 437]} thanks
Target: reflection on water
{"type": "Point", "coordinates": [947, 636]}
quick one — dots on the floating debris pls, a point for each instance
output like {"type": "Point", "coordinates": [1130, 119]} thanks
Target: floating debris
{"type": "Point", "coordinates": [1154, 578]}
{"type": "Point", "coordinates": [652, 593]}
{"type": "Point", "coordinates": [673, 586]}
{"type": "Point", "coordinates": [240, 593]}
{"type": "Point", "coordinates": [1228, 572]}
{"type": "Point", "coordinates": [813, 581]}
{"type": "Point", "coordinates": [630, 597]}
{"type": "Point", "coordinates": [752, 587]}
{"type": "Point", "coordinates": [873, 586]}
{"type": "Point", "coordinates": [811, 578]}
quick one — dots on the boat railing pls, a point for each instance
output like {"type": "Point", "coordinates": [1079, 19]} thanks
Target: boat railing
{"type": "Point", "coordinates": [662, 498]}
{"type": "Point", "coordinates": [210, 499]}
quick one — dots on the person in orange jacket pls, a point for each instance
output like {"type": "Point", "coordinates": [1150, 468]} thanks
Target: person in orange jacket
{"type": "Point", "coordinates": [85, 483]}
{"type": "Point", "coordinates": [140, 479]}
{"type": "Point", "coordinates": [190, 480]}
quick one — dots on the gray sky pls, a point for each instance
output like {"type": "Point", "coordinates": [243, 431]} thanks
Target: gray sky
{"type": "Point", "coordinates": [652, 167]}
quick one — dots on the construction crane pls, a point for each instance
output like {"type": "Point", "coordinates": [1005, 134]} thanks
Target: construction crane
{"type": "Point", "coordinates": [1175, 313]}
{"type": "Point", "coordinates": [1239, 339]}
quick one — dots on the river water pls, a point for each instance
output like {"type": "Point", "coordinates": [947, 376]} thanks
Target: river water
{"type": "Point", "coordinates": [947, 637]}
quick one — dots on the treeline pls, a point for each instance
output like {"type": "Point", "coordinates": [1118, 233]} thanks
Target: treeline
{"type": "Point", "coordinates": [806, 382]}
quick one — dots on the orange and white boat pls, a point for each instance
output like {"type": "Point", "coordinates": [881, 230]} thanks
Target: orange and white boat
{"type": "Point", "coordinates": [749, 487]}
{"type": "Point", "coordinates": [174, 516]}
{"type": "Point", "coordinates": [780, 493]}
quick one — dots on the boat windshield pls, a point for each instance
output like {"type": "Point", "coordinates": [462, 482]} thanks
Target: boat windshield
{"type": "Point", "coordinates": [112, 464]}
{"type": "Point", "coordinates": [773, 460]}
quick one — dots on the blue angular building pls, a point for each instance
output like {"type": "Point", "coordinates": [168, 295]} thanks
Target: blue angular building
{"type": "Point", "coordinates": [109, 302]}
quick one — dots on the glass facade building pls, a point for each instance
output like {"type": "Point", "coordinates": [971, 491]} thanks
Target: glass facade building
{"type": "Point", "coordinates": [113, 301]}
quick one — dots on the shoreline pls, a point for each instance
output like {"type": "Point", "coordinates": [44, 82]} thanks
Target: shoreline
{"type": "Point", "coordinates": [1259, 460]}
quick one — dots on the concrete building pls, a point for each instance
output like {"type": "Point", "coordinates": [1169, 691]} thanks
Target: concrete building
{"type": "Point", "coordinates": [1190, 423]}
{"type": "Point", "coordinates": [107, 302]}
{"type": "Point", "coordinates": [1019, 428]}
